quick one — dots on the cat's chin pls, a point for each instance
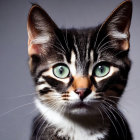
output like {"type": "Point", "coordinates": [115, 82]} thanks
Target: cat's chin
{"type": "Point", "coordinates": [82, 108]}
{"type": "Point", "coordinates": [83, 113]}
{"type": "Point", "coordinates": [80, 111]}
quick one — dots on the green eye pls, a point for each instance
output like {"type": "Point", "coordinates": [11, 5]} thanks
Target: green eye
{"type": "Point", "coordinates": [61, 71]}
{"type": "Point", "coordinates": [102, 70]}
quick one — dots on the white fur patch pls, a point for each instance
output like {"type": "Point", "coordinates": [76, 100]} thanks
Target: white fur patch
{"type": "Point", "coordinates": [73, 96]}
{"type": "Point", "coordinates": [42, 39]}
{"type": "Point", "coordinates": [41, 79]}
{"type": "Point", "coordinates": [41, 87]}
{"type": "Point", "coordinates": [72, 65]}
{"type": "Point", "coordinates": [69, 128]}
{"type": "Point", "coordinates": [76, 47]}
{"type": "Point", "coordinates": [91, 63]}
{"type": "Point", "coordinates": [119, 35]}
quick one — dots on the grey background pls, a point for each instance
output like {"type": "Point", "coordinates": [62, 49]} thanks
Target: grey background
{"type": "Point", "coordinates": [15, 80]}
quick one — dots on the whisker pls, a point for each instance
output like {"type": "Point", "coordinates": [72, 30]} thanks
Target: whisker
{"type": "Point", "coordinates": [109, 107]}
{"type": "Point", "coordinates": [16, 97]}
{"type": "Point", "coordinates": [40, 129]}
{"type": "Point", "coordinates": [106, 48]}
{"type": "Point", "coordinates": [61, 51]}
{"type": "Point", "coordinates": [16, 108]}
{"type": "Point", "coordinates": [117, 104]}
{"type": "Point", "coordinates": [66, 41]}
{"type": "Point", "coordinates": [97, 35]}
{"type": "Point", "coordinates": [38, 120]}
{"type": "Point", "coordinates": [47, 126]}
{"type": "Point", "coordinates": [118, 112]}
{"type": "Point", "coordinates": [106, 44]}
{"type": "Point", "coordinates": [60, 43]}
{"type": "Point", "coordinates": [101, 115]}
{"type": "Point", "coordinates": [108, 115]}
{"type": "Point", "coordinates": [102, 41]}
{"type": "Point", "coordinates": [114, 97]}
{"type": "Point", "coordinates": [34, 110]}
{"type": "Point", "coordinates": [128, 102]}
{"type": "Point", "coordinates": [118, 53]}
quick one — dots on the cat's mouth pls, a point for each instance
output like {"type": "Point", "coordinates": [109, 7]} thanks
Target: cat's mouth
{"type": "Point", "coordinates": [80, 105]}
{"type": "Point", "coordinates": [83, 105]}
{"type": "Point", "coordinates": [82, 108]}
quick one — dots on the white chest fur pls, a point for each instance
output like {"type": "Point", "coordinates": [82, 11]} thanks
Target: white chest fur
{"type": "Point", "coordinates": [68, 127]}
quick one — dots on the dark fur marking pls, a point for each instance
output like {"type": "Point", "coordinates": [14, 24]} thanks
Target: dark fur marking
{"type": "Point", "coordinates": [45, 91]}
{"type": "Point", "coordinates": [40, 83]}
{"type": "Point", "coordinates": [58, 85]}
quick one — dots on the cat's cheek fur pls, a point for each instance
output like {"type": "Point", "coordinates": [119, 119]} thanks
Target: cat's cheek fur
{"type": "Point", "coordinates": [67, 127]}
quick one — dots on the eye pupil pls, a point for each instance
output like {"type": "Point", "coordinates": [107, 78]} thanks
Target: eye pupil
{"type": "Point", "coordinates": [101, 68]}
{"type": "Point", "coordinates": [61, 70]}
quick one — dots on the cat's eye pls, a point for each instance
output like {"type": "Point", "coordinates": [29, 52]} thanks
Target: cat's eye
{"type": "Point", "coordinates": [101, 70]}
{"type": "Point", "coordinates": [61, 71]}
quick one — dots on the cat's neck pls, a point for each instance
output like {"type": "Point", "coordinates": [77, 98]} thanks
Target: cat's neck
{"type": "Point", "coordinates": [69, 128]}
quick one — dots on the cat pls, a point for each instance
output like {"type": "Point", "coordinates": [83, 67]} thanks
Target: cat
{"type": "Point", "coordinates": [79, 76]}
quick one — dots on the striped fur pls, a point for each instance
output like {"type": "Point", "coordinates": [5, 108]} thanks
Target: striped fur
{"type": "Point", "coordinates": [73, 114]}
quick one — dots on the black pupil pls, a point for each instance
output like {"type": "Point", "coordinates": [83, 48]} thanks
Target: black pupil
{"type": "Point", "coordinates": [61, 70]}
{"type": "Point", "coordinates": [101, 68]}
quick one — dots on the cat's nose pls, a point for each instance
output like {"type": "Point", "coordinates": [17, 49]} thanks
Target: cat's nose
{"type": "Point", "coordinates": [83, 92]}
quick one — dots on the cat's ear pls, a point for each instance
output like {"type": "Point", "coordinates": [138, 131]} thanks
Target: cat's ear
{"type": "Point", "coordinates": [40, 28]}
{"type": "Point", "coordinates": [118, 23]}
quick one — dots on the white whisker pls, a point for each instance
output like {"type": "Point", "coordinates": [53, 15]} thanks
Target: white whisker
{"type": "Point", "coordinates": [102, 41]}
{"type": "Point", "coordinates": [108, 115]}
{"type": "Point", "coordinates": [105, 44]}
{"type": "Point", "coordinates": [26, 95]}
{"type": "Point", "coordinates": [16, 108]}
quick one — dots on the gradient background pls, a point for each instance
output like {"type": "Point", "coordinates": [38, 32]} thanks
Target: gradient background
{"type": "Point", "coordinates": [15, 80]}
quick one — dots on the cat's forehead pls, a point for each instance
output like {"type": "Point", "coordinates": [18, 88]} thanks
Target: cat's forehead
{"type": "Point", "coordinates": [80, 38]}
{"type": "Point", "coordinates": [78, 51]}
{"type": "Point", "coordinates": [80, 43]}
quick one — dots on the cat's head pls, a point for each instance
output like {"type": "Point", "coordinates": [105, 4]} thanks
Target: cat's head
{"type": "Point", "coordinates": [76, 70]}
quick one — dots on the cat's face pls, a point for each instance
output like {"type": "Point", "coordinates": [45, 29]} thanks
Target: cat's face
{"type": "Point", "coordinates": [75, 71]}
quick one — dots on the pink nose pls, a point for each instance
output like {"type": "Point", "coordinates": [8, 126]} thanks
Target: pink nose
{"type": "Point", "coordinates": [83, 92]}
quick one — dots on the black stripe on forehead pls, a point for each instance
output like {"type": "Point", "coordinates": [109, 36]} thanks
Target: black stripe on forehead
{"type": "Point", "coordinates": [80, 41]}
{"type": "Point", "coordinates": [81, 49]}
{"type": "Point", "coordinates": [81, 44]}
